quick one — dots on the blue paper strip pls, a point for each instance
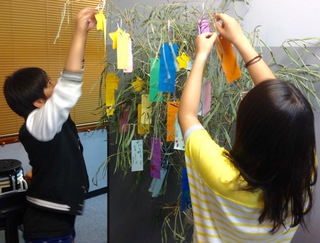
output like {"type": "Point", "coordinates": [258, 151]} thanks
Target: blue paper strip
{"type": "Point", "coordinates": [167, 74]}
{"type": "Point", "coordinates": [186, 200]}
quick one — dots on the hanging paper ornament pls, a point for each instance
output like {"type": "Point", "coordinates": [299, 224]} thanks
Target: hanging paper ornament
{"type": "Point", "coordinates": [183, 60]}
{"type": "Point", "coordinates": [137, 155]}
{"type": "Point", "coordinates": [137, 85]}
{"type": "Point", "coordinates": [203, 26]}
{"type": "Point", "coordinates": [185, 194]}
{"type": "Point", "coordinates": [172, 110]}
{"type": "Point", "coordinates": [123, 121]}
{"type": "Point", "coordinates": [130, 58]}
{"type": "Point", "coordinates": [111, 85]}
{"type": "Point", "coordinates": [228, 59]}
{"type": "Point", "coordinates": [114, 37]}
{"type": "Point", "coordinates": [142, 128]}
{"type": "Point", "coordinates": [146, 110]}
{"type": "Point", "coordinates": [100, 20]}
{"type": "Point", "coordinates": [206, 98]}
{"type": "Point", "coordinates": [123, 50]}
{"type": "Point", "coordinates": [178, 138]}
{"type": "Point", "coordinates": [155, 162]}
{"type": "Point", "coordinates": [154, 94]}
{"type": "Point", "coordinates": [167, 74]}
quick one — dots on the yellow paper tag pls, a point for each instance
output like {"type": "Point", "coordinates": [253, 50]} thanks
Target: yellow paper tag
{"type": "Point", "coordinates": [183, 60]}
{"type": "Point", "coordinates": [137, 85]}
{"type": "Point", "coordinates": [146, 109]}
{"type": "Point", "coordinates": [123, 50]}
{"type": "Point", "coordinates": [113, 36]}
{"type": "Point", "coordinates": [142, 128]}
{"type": "Point", "coordinates": [100, 20]}
{"type": "Point", "coordinates": [111, 85]}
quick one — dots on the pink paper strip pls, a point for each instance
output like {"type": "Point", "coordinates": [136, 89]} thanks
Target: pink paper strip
{"type": "Point", "coordinates": [206, 98]}
{"type": "Point", "coordinates": [155, 166]}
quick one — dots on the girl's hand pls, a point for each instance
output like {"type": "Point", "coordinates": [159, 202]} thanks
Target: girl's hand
{"type": "Point", "coordinates": [229, 28]}
{"type": "Point", "coordinates": [204, 43]}
{"type": "Point", "coordinates": [85, 20]}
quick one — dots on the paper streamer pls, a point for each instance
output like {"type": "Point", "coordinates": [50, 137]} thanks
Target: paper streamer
{"type": "Point", "coordinates": [142, 128]}
{"type": "Point", "coordinates": [146, 109]}
{"type": "Point", "coordinates": [185, 195]}
{"type": "Point", "coordinates": [183, 60]}
{"type": "Point", "coordinates": [203, 26]}
{"type": "Point", "coordinates": [156, 184]}
{"type": "Point", "coordinates": [172, 110]}
{"type": "Point", "coordinates": [137, 155]}
{"type": "Point", "coordinates": [155, 166]}
{"type": "Point", "coordinates": [130, 58]}
{"type": "Point", "coordinates": [123, 121]}
{"type": "Point", "coordinates": [137, 85]}
{"type": "Point", "coordinates": [123, 40]}
{"type": "Point", "coordinates": [228, 60]}
{"type": "Point", "coordinates": [154, 94]}
{"type": "Point", "coordinates": [112, 82]}
{"type": "Point", "coordinates": [167, 74]}
{"type": "Point", "coordinates": [206, 98]}
{"type": "Point", "coordinates": [178, 140]}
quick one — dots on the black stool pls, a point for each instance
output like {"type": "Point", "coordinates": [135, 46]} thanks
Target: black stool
{"type": "Point", "coordinates": [12, 205]}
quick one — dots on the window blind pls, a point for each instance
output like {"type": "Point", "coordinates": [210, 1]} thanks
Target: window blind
{"type": "Point", "coordinates": [28, 31]}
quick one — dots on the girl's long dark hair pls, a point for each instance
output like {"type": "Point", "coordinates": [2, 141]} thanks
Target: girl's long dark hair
{"type": "Point", "coordinates": [275, 150]}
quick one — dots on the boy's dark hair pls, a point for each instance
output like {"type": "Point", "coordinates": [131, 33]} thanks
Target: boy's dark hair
{"type": "Point", "coordinates": [24, 87]}
{"type": "Point", "coordinates": [275, 150]}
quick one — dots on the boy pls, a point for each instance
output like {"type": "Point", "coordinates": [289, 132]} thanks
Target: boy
{"type": "Point", "coordinates": [49, 136]}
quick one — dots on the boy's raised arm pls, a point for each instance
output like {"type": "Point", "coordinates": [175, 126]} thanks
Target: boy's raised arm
{"type": "Point", "coordinates": [85, 21]}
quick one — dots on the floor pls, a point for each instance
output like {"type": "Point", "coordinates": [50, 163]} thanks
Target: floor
{"type": "Point", "coordinates": [91, 227]}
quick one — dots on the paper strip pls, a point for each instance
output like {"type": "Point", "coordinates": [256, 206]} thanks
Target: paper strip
{"type": "Point", "coordinates": [167, 74]}
{"type": "Point", "coordinates": [137, 155]}
{"type": "Point", "coordinates": [172, 110]}
{"type": "Point", "coordinates": [206, 98]}
{"type": "Point", "coordinates": [178, 140]}
{"type": "Point", "coordinates": [146, 109]}
{"type": "Point", "coordinates": [155, 166]}
{"type": "Point", "coordinates": [123, 121]}
{"type": "Point", "coordinates": [123, 50]}
{"type": "Point", "coordinates": [130, 58]}
{"type": "Point", "coordinates": [185, 195]}
{"type": "Point", "coordinates": [154, 95]}
{"type": "Point", "coordinates": [203, 26]}
{"type": "Point", "coordinates": [142, 128]}
{"type": "Point", "coordinates": [228, 60]}
{"type": "Point", "coordinates": [159, 182]}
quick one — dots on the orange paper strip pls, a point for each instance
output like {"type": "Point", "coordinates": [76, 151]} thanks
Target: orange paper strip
{"type": "Point", "coordinates": [173, 108]}
{"type": "Point", "coordinates": [228, 60]}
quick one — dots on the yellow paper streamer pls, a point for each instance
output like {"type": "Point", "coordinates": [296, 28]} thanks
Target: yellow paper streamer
{"type": "Point", "coordinates": [123, 50]}
{"type": "Point", "coordinates": [113, 36]}
{"type": "Point", "coordinates": [183, 60]}
{"type": "Point", "coordinates": [112, 82]}
{"type": "Point", "coordinates": [142, 128]}
{"type": "Point", "coordinates": [137, 85]}
{"type": "Point", "coordinates": [100, 20]}
{"type": "Point", "coordinates": [146, 109]}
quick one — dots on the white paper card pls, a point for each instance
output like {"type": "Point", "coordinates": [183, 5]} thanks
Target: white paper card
{"type": "Point", "coordinates": [137, 155]}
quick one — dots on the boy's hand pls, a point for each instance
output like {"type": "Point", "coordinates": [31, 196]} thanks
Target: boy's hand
{"type": "Point", "coordinates": [229, 28]}
{"type": "Point", "coordinates": [85, 20]}
{"type": "Point", "coordinates": [204, 43]}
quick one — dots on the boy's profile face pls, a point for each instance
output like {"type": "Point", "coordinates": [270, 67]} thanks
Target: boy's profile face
{"type": "Point", "coordinates": [49, 89]}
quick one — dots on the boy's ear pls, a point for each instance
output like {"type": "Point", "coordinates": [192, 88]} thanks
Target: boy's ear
{"type": "Point", "coordinates": [39, 102]}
